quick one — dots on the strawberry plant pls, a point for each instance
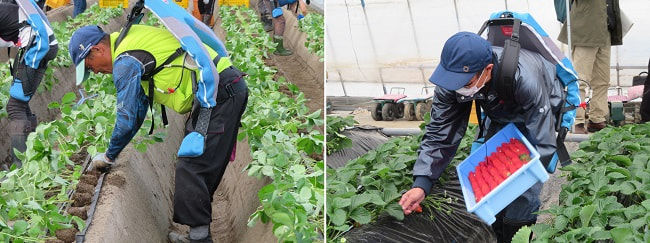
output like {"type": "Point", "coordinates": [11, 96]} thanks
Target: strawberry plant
{"type": "Point", "coordinates": [335, 125]}
{"type": "Point", "coordinates": [313, 26]}
{"type": "Point", "coordinates": [274, 125]}
{"type": "Point", "coordinates": [371, 185]}
{"type": "Point", "coordinates": [607, 196]}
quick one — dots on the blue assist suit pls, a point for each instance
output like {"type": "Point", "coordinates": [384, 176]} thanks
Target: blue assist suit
{"type": "Point", "coordinates": [277, 12]}
{"type": "Point", "coordinates": [38, 38]}
{"type": "Point", "coordinates": [192, 34]}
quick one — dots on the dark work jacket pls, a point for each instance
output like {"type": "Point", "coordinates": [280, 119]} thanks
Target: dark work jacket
{"type": "Point", "coordinates": [538, 95]}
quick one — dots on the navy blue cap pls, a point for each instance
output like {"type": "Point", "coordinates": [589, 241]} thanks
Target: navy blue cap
{"type": "Point", "coordinates": [463, 55]}
{"type": "Point", "coordinates": [80, 43]}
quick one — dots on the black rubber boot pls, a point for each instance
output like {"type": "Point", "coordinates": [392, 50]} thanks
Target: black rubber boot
{"type": "Point", "coordinates": [279, 49]}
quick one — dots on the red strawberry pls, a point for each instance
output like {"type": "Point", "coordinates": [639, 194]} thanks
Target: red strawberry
{"type": "Point", "coordinates": [473, 182]}
{"type": "Point", "coordinates": [501, 174]}
{"type": "Point", "coordinates": [501, 167]}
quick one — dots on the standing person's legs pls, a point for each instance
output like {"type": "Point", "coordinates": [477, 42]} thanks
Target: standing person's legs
{"type": "Point", "coordinates": [598, 108]}
{"type": "Point", "coordinates": [278, 25]}
{"type": "Point", "coordinates": [583, 61]}
{"type": "Point", "coordinates": [21, 122]}
{"type": "Point", "coordinates": [198, 178]}
{"type": "Point", "coordinates": [264, 6]}
{"type": "Point", "coordinates": [206, 11]}
{"type": "Point", "coordinates": [21, 119]}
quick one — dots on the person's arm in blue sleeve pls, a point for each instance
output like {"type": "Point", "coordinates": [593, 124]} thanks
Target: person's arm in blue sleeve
{"type": "Point", "coordinates": [540, 121]}
{"type": "Point", "coordinates": [441, 139]}
{"type": "Point", "coordinates": [131, 103]}
{"type": "Point", "coordinates": [41, 44]}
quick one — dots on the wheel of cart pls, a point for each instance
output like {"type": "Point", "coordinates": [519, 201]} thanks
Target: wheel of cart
{"type": "Point", "coordinates": [386, 107]}
{"type": "Point", "coordinates": [416, 106]}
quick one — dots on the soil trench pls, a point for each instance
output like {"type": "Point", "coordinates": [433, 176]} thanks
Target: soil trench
{"type": "Point", "coordinates": [136, 203]}
{"type": "Point", "coordinates": [302, 68]}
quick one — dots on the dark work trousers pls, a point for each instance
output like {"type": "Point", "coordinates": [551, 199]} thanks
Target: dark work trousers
{"type": "Point", "coordinates": [21, 119]}
{"type": "Point", "coordinates": [197, 178]}
{"type": "Point", "coordinates": [206, 8]}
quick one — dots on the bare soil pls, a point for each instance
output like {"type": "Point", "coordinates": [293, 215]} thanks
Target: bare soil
{"type": "Point", "coordinates": [81, 199]}
{"type": "Point", "coordinates": [80, 212]}
{"type": "Point", "coordinates": [116, 180]}
{"type": "Point", "coordinates": [79, 158]}
{"type": "Point", "coordinates": [66, 235]}
{"type": "Point", "coordinates": [88, 179]}
{"type": "Point", "coordinates": [85, 188]}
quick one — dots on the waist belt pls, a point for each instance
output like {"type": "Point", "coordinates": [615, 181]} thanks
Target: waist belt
{"type": "Point", "coordinates": [231, 82]}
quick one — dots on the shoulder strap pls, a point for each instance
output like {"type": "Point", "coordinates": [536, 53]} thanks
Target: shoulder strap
{"type": "Point", "coordinates": [149, 78]}
{"type": "Point", "coordinates": [134, 17]}
{"type": "Point", "coordinates": [481, 121]}
{"type": "Point", "coordinates": [508, 64]}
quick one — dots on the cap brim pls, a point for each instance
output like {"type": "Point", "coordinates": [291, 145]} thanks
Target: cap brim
{"type": "Point", "coordinates": [448, 79]}
{"type": "Point", "coordinates": [82, 72]}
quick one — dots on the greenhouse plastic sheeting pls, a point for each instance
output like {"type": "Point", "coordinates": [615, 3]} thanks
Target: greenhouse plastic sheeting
{"type": "Point", "coordinates": [436, 226]}
{"type": "Point", "coordinates": [363, 139]}
{"type": "Point", "coordinates": [398, 42]}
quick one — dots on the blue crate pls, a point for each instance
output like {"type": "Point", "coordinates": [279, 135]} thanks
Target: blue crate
{"type": "Point", "coordinates": [515, 185]}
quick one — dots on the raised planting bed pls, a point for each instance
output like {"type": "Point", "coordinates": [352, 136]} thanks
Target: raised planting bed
{"type": "Point", "coordinates": [607, 194]}
{"type": "Point", "coordinates": [285, 144]}
{"type": "Point", "coordinates": [363, 195]}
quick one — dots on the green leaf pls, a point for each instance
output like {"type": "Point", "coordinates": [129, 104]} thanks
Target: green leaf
{"type": "Point", "coordinates": [616, 175]}
{"type": "Point", "coordinates": [601, 235]}
{"type": "Point", "coordinates": [305, 193]}
{"type": "Point", "coordinates": [338, 217]}
{"type": "Point", "coordinates": [361, 215]}
{"type": "Point", "coordinates": [395, 210]}
{"type": "Point", "coordinates": [20, 227]}
{"type": "Point", "coordinates": [586, 213]}
{"type": "Point", "coordinates": [68, 98]}
{"type": "Point", "coordinates": [561, 222]}
{"type": "Point", "coordinates": [342, 202]}
{"type": "Point", "coordinates": [627, 188]}
{"type": "Point", "coordinates": [522, 235]}
{"type": "Point", "coordinates": [621, 235]}
{"type": "Point", "coordinates": [282, 218]}
{"type": "Point", "coordinates": [359, 200]}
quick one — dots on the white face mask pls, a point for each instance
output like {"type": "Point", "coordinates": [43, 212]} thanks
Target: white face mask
{"type": "Point", "coordinates": [464, 91]}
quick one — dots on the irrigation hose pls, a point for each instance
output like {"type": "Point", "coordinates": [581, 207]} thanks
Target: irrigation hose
{"type": "Point", "coordinates": [81, 236]}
